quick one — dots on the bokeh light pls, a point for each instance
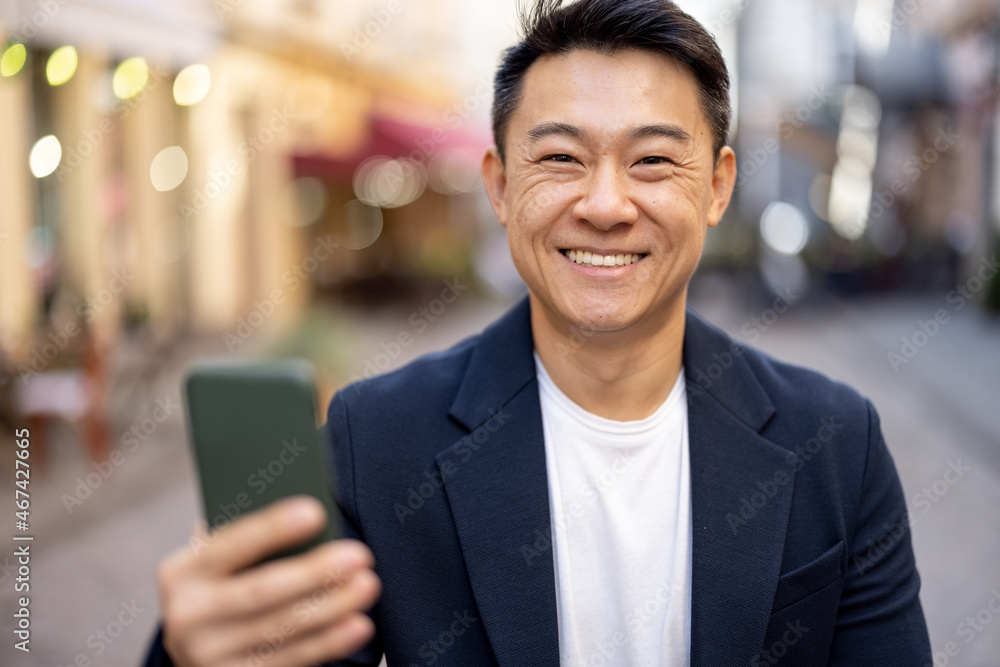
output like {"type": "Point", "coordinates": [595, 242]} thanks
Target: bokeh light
{"type": "Point", "coordinates": [13, 60]}
{"type": "Point", "coordinates": [454, 172]}
{"type": "Point", "coordinates": [130, 78]}
{"type": "Point", "coordinates": [169, 168]}
{"type": "Point", "coordinates": [387, 183]}
{"type": "Point", "coordinates": [192, 85]}
{"type": "Point", "coordinates": [873, 25]}
{"type": "Point", "coordinates": [364, 224]}
{"type": "Point", "coordinates": [61, 66]}
{"type": "Point", "coordinates": [852, 181]}
{"type": "Point", "coordinates": [310, 199]}
{"type": "Point", "coordinates": [784, 229]}
{"type": "Point", "coordinates": [45, 156]}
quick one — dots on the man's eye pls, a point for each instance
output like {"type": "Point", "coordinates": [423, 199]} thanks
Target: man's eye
{"type": "Point", "coordinates": [560, 158]}
{"type": "Point", "coordinates": [655, 159]}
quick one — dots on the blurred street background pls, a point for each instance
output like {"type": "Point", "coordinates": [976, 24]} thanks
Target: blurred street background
{"type": "Point", "coordinates": [237, 178]}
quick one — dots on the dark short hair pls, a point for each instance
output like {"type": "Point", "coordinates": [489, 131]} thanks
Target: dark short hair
{"type": "Point", "coordinates": [607, 27]}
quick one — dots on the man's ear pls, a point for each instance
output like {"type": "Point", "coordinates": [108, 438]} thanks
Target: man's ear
{"type": "Point", "coordinates": [495, 179]}
{"type": "Point", "coordinates": [723, 182]}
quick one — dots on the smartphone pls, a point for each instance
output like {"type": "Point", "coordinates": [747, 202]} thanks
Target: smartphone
{"type": "Point", "coordinates": [253, 429]}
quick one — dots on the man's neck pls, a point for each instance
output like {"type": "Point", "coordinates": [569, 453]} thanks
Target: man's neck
{"type": "Point", "coordinates": [622, 375]}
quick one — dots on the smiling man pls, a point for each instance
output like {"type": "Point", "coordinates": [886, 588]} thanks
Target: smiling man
{"type": "Point", "coordinates": [557, 490]}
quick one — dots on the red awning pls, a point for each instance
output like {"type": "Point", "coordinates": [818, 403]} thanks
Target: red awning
{"type": "Point", "coordinates": [394, 139]}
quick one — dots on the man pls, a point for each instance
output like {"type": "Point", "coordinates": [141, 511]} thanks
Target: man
{"type": "Point", "coordinates": [561, 489]}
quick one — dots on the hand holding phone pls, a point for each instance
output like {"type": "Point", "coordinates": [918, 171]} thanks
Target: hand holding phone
{"type": "Point", "coordinates": [253, 430]}
{"type": "Point", "coordinates": [270, 580]}
{"type": "Point", "coordinates": [218, 609]}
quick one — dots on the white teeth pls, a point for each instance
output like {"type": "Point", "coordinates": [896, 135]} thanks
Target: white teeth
{"type": "Point", "coordinates": [589, 259]}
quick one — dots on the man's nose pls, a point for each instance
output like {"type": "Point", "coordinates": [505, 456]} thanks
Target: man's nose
{"type": "Point", "coordinates": [606, 201]}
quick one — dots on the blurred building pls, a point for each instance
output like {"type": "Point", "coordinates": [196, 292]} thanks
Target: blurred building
{"type": "Point", "coordinates": [198, 165]}
{"type": "Point", "coordinates": [866, 142]}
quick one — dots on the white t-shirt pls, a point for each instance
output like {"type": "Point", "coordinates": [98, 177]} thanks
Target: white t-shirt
{"type": "Point", "coordinates": [619, 497]}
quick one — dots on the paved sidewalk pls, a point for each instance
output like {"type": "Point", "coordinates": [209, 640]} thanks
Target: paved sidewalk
{"type": "Point", "coordinates": [940, 412]}
{"type": "Point", "coordinates": [94, 567]}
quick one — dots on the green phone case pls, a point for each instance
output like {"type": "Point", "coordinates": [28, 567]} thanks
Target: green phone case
{"type": "Point", "coordinates": [253, 429]}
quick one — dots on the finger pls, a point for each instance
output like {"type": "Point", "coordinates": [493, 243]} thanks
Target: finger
{"type": "Point", "coordinates": [184, 559]}
{"type": "Point", "coordinates": [298, 618]}
{"type": "Point", "coordinates": [250, 539]}
{"type": "Point", "coordinates": [313, 611]}
{"type": "Point", "coordinates": [335, 642]}
{"type": "Point", "coordinates": [271, 584]}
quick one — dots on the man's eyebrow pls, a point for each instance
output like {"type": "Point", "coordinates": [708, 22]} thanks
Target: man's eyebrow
{"type": "Point", "coordinates": [663, 131]}
{"type": "Point", "coordinates": [548, 129]}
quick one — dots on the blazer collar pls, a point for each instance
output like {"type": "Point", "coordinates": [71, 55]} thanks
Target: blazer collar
{"type": "Point", "coordinates": [501, 365]}
{"type": "Point", "coordinates": [739, 514]}
{"type": "Point", "coordinates": [500, 501]}
{"type": "Point", "coordinates": [496, 484]}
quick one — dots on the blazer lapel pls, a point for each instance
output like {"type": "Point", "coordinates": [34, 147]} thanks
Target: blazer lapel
{"type": "Point", "coordinates": [497, 487]}
{"type": "Point", "coordinates": [739, 512]}
{"type": "Point", "coordinates": [496, 484]}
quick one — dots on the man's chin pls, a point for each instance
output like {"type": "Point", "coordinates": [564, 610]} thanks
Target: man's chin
{"type": "Point", "coordinates": [595, 318]}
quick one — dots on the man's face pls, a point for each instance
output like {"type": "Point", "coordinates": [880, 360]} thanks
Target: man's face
{"type": "Point", "coordinates": [608, 156]}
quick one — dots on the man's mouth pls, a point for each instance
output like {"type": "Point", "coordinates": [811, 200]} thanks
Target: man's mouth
{"type": "Point", "coordinates": [588, 258]}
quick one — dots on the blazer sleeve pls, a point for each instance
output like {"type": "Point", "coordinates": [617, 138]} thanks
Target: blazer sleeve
{"type": "Point", "coordinates": [336, 434]}
{"type": "Point", "coordinates": [880, 620]}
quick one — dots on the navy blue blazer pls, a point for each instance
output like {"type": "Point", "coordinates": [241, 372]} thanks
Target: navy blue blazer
{"type": "Point", "coordinates": [801, 545]}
